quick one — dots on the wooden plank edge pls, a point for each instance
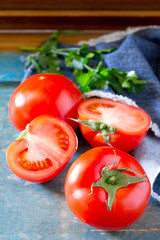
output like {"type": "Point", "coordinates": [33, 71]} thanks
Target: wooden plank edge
{"type": "Point", "coordinates": [79, 13]}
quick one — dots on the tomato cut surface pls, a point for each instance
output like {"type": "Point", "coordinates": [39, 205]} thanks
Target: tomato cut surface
{"type": "Point", "coordinates": [132, 123]}
{"type": "Point", "coordinates": [43, 150]}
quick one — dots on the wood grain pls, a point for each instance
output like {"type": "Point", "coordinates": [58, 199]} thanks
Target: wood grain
{"type": "Point", "coordinates": [81, 4]}
{"type": "Point", "coordinates": [11, 41]}
{"type": "Point", "coordinates": [103, 20]}
{"type": "Point", "coordinates": [39, 211]}
{"type": "Point", "coordinates": [78, 13]}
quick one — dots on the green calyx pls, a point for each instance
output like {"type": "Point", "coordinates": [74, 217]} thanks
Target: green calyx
{"type": "Point", "coordinates": [23, 133]}
{"type": "Point", "coordinates": [98, 126]}
{"type": "Point", "coordinates": [112, 180]}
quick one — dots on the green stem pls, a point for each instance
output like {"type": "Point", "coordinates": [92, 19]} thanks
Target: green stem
{"type": "Point", "coordinates": [88, 67]}
{"type": "Point", "coordinates": [64, 33]}
{"type": "Point", "coordinates": [60, 53]}
{"type": "Point", "coordinates": [68, 49]}
{"type": "Point", "coordinates": [105, 50]}
{"type": "Point", "coordinates": [24, 132]}
{"type": "Point", "coordinates": [112, 180]}
{"type": "Point", "coordinates": [30, 49]}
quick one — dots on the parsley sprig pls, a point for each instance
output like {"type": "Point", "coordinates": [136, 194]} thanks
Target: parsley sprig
{"type": "Point", "coordinates": [47, 58]}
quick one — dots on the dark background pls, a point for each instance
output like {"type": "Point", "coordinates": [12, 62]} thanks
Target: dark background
{"type": "Point", "coordinates": [79, 14]}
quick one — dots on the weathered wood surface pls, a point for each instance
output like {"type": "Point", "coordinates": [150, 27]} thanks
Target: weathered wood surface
{"type": "Point", "coordinates": [12, 40]}
{"type": "Point", "coordinates": [80, 5]}
{"type": "Point", "coordinates": [30, 211]}
{"type": "Point", "coordinates": [79, 19]}
{"type": "Point", "coordinates": [86, 14]}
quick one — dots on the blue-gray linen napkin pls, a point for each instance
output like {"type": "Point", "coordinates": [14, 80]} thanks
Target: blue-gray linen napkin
{"type": "Point", "coordinates": [139, 52]}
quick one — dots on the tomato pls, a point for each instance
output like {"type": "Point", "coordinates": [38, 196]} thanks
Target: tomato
{"type": "Point", "coordinates": [132, 123]}
{"type": "Point", "coordinates": [88, 202]}
{"type": "Point", "coordinates": [42, 150]}
{"type": "Point", "coordinates": [41, 94]}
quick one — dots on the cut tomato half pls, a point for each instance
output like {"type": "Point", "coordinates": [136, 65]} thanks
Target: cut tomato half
{"type": "Point", "coordinates": [42, 150]}
{"type": "Point", "coordinates": [132, 123]}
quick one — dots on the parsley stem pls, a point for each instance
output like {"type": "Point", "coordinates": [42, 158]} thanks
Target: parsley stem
{"type": "Point", "coordinates": [32, 49]}
{"type": "Point", "coordinates": [109, 50]}
{"type": "Point", "coordinates": [46, 58]}
{"type": "Point", "coordinates": [88, 67]}
{"type": "Point", "coordinates": [60, 53]}
{"type": "Point", "coordinates": [68, 49]}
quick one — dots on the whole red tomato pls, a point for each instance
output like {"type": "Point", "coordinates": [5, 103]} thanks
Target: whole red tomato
{"type": "Point", "coordinates": [132, 123]}
{"type": "Point", "coordinates": [40, 94]}
{"type": "Point", "coordinates": [92, 204]}
{"type": "Point", "coordinates": [42, 150]}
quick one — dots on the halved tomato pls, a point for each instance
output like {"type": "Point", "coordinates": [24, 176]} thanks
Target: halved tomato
{"type": "Point", "coordinates": [42, 150]}
{"type": "Point", "coordinates": [132, 123]}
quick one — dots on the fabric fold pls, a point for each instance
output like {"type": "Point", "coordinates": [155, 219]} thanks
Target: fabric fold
{"type": "Point", "coordinates": [139, 52]}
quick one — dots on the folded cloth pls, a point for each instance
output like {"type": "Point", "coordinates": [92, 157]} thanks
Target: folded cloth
{"type": "Point", "coordinates": [139, 52]}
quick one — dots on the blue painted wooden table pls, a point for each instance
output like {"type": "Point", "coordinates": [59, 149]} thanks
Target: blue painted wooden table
{"type": "Point", "coordinates": [30, 211]}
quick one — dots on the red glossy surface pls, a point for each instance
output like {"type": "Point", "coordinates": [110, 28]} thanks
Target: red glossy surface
{"type": "Point", "coordinates": [90, 207]}
{"type": "Point", "coordinates": [132, 123]}
{"type": "Point", "coordinates": [43, 152]}
{"type": "Point", "coordinates": [40, 94]}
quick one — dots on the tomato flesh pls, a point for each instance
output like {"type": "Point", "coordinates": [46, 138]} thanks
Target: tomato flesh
{"type": "Point", "coordinates": [89, 203]}
{"type": "Point", "coordinates": [44, 151]}
{"type": "Point", "coordinates": [132, 123]}
{"type": "Point", "coordinates": [31, 165]}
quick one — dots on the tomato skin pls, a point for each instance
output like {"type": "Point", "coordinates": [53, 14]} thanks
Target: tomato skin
{"type": "Point", "coordinates": [123, 139]}
{"type": "Point", "coordinates": [90, 207]}
{"type": "Point", "coordinates": [124, 142]}
{"type": "Point", "coordinates": [41, 94]}
{"type": "Point", "coordinates": [44, 151]}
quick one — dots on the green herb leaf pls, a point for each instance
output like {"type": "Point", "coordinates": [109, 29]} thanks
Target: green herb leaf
{"type": "Point", "coordinates": [50, 64]}
{"type": "Point", "coordinates": [103, 77]}
{"type": "Point", "coordinates": [49, 46]}
{"type": "Point", "coordinates": [46, 58]}
{"type": "Point", "coordinates": [35, 64]}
